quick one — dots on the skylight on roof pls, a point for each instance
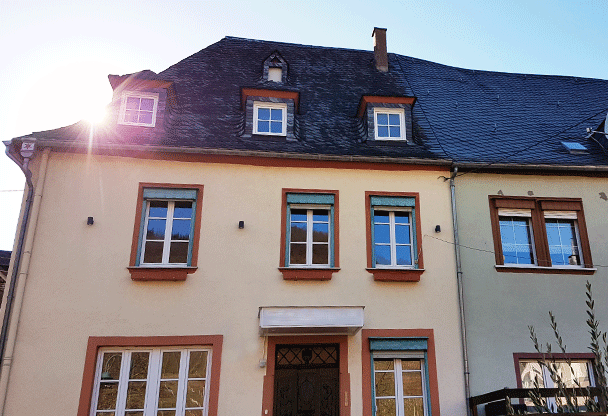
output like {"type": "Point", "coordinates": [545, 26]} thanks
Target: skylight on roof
{"type": "Point", "coordinates": [574, 147]}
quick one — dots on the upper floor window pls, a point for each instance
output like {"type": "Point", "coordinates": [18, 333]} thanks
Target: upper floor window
{"type": "Point", "coordinates": [138, 108]}
{"type": "Point", "coordinates": [393, 236]}
{"type": "Point", "coordinates": [389, 123]}
{"type": "Point", "coordinates": [540, 232]}
{"type": "Point", "coordinates": [270, 118]}
{"type": "Point", "coordinates": [167, 230]}
{"type": "Point", "coordinates": [310, 232]}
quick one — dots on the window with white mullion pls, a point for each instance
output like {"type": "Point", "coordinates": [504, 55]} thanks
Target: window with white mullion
{"type": "Point", "coordinates": [309, 236]}
{"type": "Point", "coordinates": [167, 232]}
{"type": "Point", "coordinates": [406, 379]}
{"type": "Point", "coordinates": [393, 239]}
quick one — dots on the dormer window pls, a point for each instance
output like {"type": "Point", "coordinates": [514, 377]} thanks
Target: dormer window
{"type": "Point", "coordinates": [386, 119]}
{"type": "Point", "coordinates": [275, 68]}
{"type": "Point", "coordinates": [138, 108]}
{"type": "Point", "coordinates": [389, 124]}
{"type": "Point", "coordinates": [275, 74]}
{"type": "Point", "coordinates": [270, 118]}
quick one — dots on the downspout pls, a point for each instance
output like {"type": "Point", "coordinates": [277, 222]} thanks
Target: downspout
{"type": "Point", "coordinates": [21, 264]}
{"type": "Point", "coordinates": [463, 328]}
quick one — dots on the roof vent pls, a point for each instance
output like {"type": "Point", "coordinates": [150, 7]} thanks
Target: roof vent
{"type": "Point", "coordinates": [575, 148]}
{"type": "Point", "coordinates": [380, 54]}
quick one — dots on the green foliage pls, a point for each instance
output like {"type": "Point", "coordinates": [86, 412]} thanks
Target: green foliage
{"type": "Point", "coordinates": [575, 399]}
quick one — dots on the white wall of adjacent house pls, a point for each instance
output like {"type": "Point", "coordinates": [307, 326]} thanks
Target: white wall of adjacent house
{"type": "Point", "coordinates": [79, 285]}
{"type": "Point", "coordinates": [500, 306]}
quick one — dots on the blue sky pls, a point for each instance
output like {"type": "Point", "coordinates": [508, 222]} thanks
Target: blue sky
{"type": "Point", "coordinates": [55, 56]}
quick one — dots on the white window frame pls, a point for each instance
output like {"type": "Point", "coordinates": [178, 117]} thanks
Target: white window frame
{"type": "Point", "coordinates": [397, 371]}
{"type": "Point", "coordinates": [152, 381]}
{"type": "Point", "coordinates": [568, 216]}
{"type": "Point", "coordinates": [167, 240]}
{"type": "Point", "coordinates": [257, 105]}
{"type": "Point", "coordinates": [400, 112]}
{"type": "Point", "coordinates": [137, 94]}
{"type": "Point", "coordinates": [309, 235]}
{"type": "Point", "coordinates": [393, 240]}
{"type": "Point", "coordinates": [521, 213]}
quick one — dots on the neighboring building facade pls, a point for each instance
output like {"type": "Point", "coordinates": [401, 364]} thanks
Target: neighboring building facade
{"type": "Point", "coordinates": [253, 231]}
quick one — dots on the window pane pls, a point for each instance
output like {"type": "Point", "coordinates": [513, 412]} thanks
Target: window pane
{"type": "Point", "coordinates": [320, 254]}
{"type": "Point", "coordinates": [402, 234]}
{"type": "Point", "coordinates": [153, 252]}
{"type": "Point", "coordinates": [132, 103]}
{"type": "Point", "coordinates": [139, 365]}
{"type": "Point", "coordinates": [298, 215]}
{"type": "Point", "coordinates": [412, 383]}
{"type": "Point", "coordinates": [319, 215]}
{"type": "Point", "coordinates": [158, 209]}
{"type": "Point", "coordinates": [107, 396]}
{"type": "Point", "coordinates": [167, 394]}
{"type": "Point", "coordinates": [384, 364]}
{"type": "Point", "coordinates": [413, 407]}
{"type": "Point", "coordinates": [383, 255]}
{"type": "Point", "coordinates": [156, 230]}
{"type": "Point", "coordinates": [263, 113]}
{"type": "Point", "coordinates": [276, 114]}
{"type": "Point", "coordinates": [320, 232]}
{"type": "Point", "coordinates": [298, 231]}
{"type": "Point", "coordinates": [381, 217]}
{"type": "Point", "coordinates": [297, 254]}
{"type": "Point", "coordinates": [382, 118]}
{"type": "Point", "coordinates": [147, 104]}
{"type": "Point", "coordinates": [131, 116]}
{"type": "Point", "coordinates": [393, 119]}
{"type": "Point", "coordinates": [128, 413]}
{"type": "Point", "coordinates": [111, 365]}
{"type": "Point", "coordinates": [165, 413]}
{"type": "Point", "coordinates": [385, 384]}
{"type": "Point", "coordinates": [521, 231]}
{"type": "Point", "coordinates": [386, 407]}
{"type": "Point", "coordinates": [198, 364]}
{"type": "Point", "coordinates": [276, 127]}
{"type": "Point", "coordinates": [402, 217]}
{"type": "Point", "coordinates": [263, 126]}
{"type": "Point", "coordinates": [178, 252]}
{"type": "Point", "coordinates": [183, 209]}
{"type": "Point", "coordinates": [563, 246]}
{"type": "Point", "coordinates": [170, 367]}
{"type": "Point", "coordinates": [529, 371]}
{"type": "Point", "coordinates": [395, 131]}
{"type": "Point", "coordinates": [145, 117]}
{"type": "Point", "coordinates": [181, 230]}
{"type": "Point", "coordinates": [410, 364]}
{"type": "Point", "coordinates": [136, 395]}
{"type": "Point", "coordinates": [196, 393]}
{"type": "Point", "coordinates": [404, 256]}
{"type": "Point", "coordinates": [382, 234]}
{"type": "Point", "coordinates": [382, 131]}
{"type": "Point", "coordinates": [194, 412]}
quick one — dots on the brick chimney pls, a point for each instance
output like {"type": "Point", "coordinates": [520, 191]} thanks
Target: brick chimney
{"type": "Point", "coordinates": [380, 55]}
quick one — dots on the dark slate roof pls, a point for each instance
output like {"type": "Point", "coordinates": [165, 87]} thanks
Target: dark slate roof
{"type": "Point", "coordinates": [459, 114]}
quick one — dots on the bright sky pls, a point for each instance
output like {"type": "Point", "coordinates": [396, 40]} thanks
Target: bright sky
{"type": "Point", "coordinates": [55, 56]}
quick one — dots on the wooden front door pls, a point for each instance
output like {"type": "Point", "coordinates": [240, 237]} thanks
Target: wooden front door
{"type": "Point", "coordinates": [306, 380]}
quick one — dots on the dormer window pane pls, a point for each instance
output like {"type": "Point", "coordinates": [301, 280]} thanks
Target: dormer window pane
{"type": "Point", "coordinates": [275, 74]}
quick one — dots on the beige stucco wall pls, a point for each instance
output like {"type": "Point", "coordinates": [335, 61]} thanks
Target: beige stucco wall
{"type": "Point", "coordinates": [500, 306]}
{"type": "Point", "coordinates": [79, 285]}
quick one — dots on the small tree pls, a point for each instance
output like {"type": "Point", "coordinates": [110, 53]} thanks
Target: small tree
{"type": "Point", "coordinates": [568, 400]}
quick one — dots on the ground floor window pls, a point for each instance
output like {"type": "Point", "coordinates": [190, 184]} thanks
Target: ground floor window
{"type": "Point", "coordinates": [157, 381]}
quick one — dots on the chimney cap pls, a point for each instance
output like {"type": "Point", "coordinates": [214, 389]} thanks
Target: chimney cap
{"type": "Point", "coordinates": [378, 28]}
